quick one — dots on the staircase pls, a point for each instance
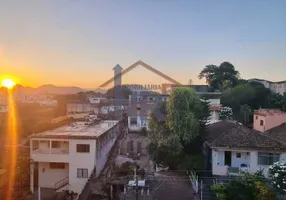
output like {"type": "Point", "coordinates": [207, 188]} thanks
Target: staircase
{"type": "Point", "coordinates": [205, 191]}
{"type": "Point", "coordinates": [62, 183]}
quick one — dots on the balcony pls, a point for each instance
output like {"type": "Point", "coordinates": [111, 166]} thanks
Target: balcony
{"type": "Point", "coordinates": [50, 155]}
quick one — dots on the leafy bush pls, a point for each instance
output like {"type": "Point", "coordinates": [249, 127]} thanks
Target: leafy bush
{"type": "Point", "coordinates": [277, 173]}
{"type": "Point", "coordinates": [225, 113]}
{"type": "Point", "coordinates": [247, 187]}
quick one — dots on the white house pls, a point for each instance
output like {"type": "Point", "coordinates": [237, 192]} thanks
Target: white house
{"type": "Point", "coordinates": [138, 116]}
{"type": "Point", "coordinates": [64, 158]}
{"type": "Point", "coordinates": [231, 148]}
{"type": "Point", "coordinates": [276, 87]}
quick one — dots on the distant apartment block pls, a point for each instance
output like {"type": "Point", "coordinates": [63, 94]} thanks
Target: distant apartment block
{"type": "Point", "coordinates": [276, 87]}
{"type": "Point", "coordinates": [79, 107]}
{"type": "Point", "coordinates": [64, 158]}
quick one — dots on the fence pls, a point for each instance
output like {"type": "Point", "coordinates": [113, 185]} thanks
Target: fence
{"type": "Point", "coordinates": [194, 180]}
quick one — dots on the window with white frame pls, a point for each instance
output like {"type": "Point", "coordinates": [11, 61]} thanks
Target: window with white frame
{"type": "Point", "coordinates": [82, 173]}
{"type": "Point", "coordinates": [267, 158]}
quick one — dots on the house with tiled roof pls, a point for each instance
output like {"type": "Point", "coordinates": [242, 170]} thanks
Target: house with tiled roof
{"type": "Point", "coordinates": [266, 119]}
{"type": "Point", "coordinates": [232, 148]}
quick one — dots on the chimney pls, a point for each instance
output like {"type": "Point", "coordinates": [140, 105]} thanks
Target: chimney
{"type": "Point", "coordinates": [117, 89]}
{"type": "Point", "coordinates": [117, 75]}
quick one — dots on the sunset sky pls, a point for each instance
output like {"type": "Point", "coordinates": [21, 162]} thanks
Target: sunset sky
{"type": "Point", "coordinates": [78, 42]}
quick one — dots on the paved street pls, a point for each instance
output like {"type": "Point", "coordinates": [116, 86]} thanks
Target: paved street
{"type": "Point", "coordinates": [167, 186]}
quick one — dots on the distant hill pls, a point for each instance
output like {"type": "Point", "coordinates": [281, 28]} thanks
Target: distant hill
{"type": "Point", "coordinates": [50, 89]}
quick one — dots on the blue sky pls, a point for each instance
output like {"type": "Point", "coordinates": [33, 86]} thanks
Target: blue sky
{"type": "Point", "coordinates": [77, 42]}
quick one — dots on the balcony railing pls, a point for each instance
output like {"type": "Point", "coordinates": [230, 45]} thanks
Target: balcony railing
{"type": "Point", "coordinates": [236, 171]}
{"type": "Point", "coordinates": [51, 151]}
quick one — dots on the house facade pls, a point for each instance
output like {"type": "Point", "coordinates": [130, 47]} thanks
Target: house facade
{"type": "Point", "coordinates": [139, 115]}
{"type": "Point", "coordinates": [64, 158]}
{"type": "Point", "coordinates": [232, 148]}
{"type": "Point", "coordinates": [266, 119]}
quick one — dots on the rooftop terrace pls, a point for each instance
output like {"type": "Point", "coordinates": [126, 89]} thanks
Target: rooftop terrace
{"type": "Point", "coordinates": [78, 130]}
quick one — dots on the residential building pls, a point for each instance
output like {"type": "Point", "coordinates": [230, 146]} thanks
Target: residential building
{"type": "Point", "coordinates": [79, 107]}
{"type": "Point", "coordinates": [147, 96]}
{"type": "Point", "coordinates": [64, 158]}
{"type": "Point", "coordinates": [138, 116]}
{"type": "Point", "coordinates": [95, 100]}
{"type": "Point", "coordinates": [276, 87]}
{"type": "Point", "coordinates": [265, 119]}
{"type": "Point", "coordinates": [231, 148]}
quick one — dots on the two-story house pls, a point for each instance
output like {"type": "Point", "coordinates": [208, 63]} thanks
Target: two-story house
{"type": "Point", "coordinates": [64, 158]}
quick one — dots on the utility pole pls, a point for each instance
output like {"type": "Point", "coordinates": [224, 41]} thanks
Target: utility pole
{"type": "Point", "coordinates": [136, 182]}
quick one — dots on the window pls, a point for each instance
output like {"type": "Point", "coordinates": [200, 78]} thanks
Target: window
{"type": "Point", "coordinates": [256, 117]}
{"type": "Point", "coordinates": [238, 155]}
{"type": "Point", "coordinates": [150, 99]}
{"type": "Point", "coordinates": [82, 173]}
{"type": "Point", "coordinates": [55, 144]}
{"type": "Point", "coordinates": [133, 121]}
{"type": "Point", "coordinates": [82, 148]}
{"type": "Point", "coordinates": [261, 122]}
{"type": "Point", "coordinates": [267, 158]}
{"type": "Point", "coordinates": [57, 165]}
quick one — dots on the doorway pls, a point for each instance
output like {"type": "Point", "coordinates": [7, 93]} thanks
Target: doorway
{"type": "Point", "coordinates": [227, 158]}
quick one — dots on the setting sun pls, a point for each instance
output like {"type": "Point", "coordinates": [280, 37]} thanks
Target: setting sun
{"type": "Point", "coordinates": [8, 83]}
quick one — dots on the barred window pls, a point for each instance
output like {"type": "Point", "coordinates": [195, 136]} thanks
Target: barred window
{"type": "Point", "coordinates": [267, 158]}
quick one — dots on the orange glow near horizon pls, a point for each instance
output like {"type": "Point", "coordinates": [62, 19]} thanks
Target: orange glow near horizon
{"type": "Point", "coordinates": [8, 83]}
{"type": "Point", "coordinates": [10, 157]}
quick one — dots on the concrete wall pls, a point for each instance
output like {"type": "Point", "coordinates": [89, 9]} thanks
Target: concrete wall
{"type": "Point", "coordinates": [49, 177]}
{"type": "Point", "coordinates": [105, 144]}
{"type": "Point", "coordinates": [136, 138]}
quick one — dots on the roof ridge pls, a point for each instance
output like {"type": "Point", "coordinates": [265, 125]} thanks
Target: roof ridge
{"type": "Point", "coordinates": [272, 138]}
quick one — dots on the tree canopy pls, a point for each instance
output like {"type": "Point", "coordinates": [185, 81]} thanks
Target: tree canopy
{"type": "Point", "coordinates": [219, 77]}
{"type": "Point", "coordinates": [246, 187]}
{"type": "Point", "coordinates": [172, 136]}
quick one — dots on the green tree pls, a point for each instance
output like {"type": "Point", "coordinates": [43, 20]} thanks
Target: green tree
{"type": "Point", "coordinates": [246, 187]}
{"type": "Point", "coordinates": [175, 127]}
{"type": "Point", "coordinates": [246, 111]}
{"type": "Point", "coordinates": [220, 76]}
{"type": "Point", "coordinates": [225, 113]}
{"type": "Point", "coordinates": [183, 108]}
